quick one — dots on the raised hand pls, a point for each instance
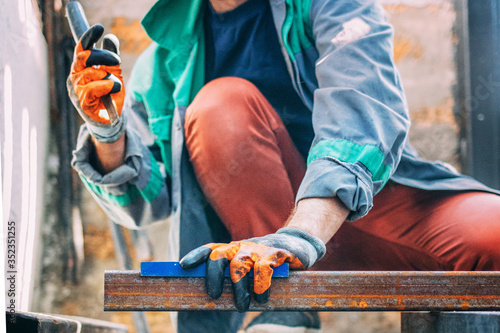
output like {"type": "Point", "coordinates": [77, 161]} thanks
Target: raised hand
{"type": "Point", "coordinates": [96, 73]}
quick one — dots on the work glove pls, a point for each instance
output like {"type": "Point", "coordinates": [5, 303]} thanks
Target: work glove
{"type": "Point", "coordinates": [91, 78]}
{"type": "Point", "coordinates": [300, 249]}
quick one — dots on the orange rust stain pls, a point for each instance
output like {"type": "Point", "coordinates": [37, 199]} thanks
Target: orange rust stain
{"type": "Point", "coordinates": [168, 304]}
{"type": "Point", "coordinates": [133, 38]}
{"type": "Point", "coordinates": [464, 305]}
{"type": "Point", "coordinates": [353, 304]}
{"type": "Point", "coordinates": [461, 297]}
{"type": "Point", "coordinates": [329, 304]}
{"type": "Point", "coordinates": [323, 296]}
{"type": "Point", "coordinates": [210, 305]}
{"type": "Point", "coordinates": [406, 48]}
{"type": "Point", "coordinates": [401, 306]}
{"type": "Point", "coordinates": [363, 304]}
{"type": "Point", "coordinates": [148, 293]}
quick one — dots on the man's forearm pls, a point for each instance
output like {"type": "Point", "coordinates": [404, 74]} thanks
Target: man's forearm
{"type": "Point", "coordinates": [321, 217]}
{"type": "Point", "coordinates": [109, 156]}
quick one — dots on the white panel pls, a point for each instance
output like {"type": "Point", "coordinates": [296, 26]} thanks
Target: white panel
{"type": "Point", "coordinates": [23, 136]}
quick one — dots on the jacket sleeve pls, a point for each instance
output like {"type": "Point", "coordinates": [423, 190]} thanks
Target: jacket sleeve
{"type": "Point", "coordinates": [360, 115]}
{"type": "Point", "coordinates": [136, 193]}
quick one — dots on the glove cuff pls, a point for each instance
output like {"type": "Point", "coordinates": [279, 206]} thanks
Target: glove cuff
{"type": "Point", "coordinates": [317, 243]}
{"type": "Point", "coordinates": [108, 133]}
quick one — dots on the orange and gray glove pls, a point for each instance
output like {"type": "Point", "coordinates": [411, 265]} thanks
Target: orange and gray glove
{"type": "Point", "coordinates": [91, 78]}
{"type": "Point", "coordinates": [300, 249]}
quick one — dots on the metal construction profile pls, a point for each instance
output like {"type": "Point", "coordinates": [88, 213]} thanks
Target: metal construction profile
{"type": "Point", "coordinates": [314, 291]}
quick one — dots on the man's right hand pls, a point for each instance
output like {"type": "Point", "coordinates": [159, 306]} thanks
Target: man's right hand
{"type": "Point", "coordinates": [88, 82]}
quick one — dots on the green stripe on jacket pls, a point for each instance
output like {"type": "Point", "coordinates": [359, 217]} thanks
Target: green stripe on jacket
{"type": "Point", "coordinates": [349, 152]}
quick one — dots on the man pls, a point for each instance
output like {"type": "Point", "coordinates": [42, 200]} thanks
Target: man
{"type": "Point", "coordinates": [230, 100]}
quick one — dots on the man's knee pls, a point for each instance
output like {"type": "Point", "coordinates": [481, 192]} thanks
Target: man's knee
{"type": "Point", "coordinates": [479, 255]}
{"type": "Point", "coordinates": [230, 116]}
{"type": "Point", "coordinates": [483, 248]}
{"type": "Point", "coordinates": [219, 99]}
{"type": "Point", "coordinates": [223, 121]}
{"type": "Point", "coordinates": [481, 238]}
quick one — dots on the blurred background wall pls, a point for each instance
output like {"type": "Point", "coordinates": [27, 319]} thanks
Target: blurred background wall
{"type": "Point", "coordinates": [24, 134]}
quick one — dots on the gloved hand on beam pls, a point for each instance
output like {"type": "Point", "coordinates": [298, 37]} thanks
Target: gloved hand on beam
{"type": "Point", "coordinates": [300, 249]}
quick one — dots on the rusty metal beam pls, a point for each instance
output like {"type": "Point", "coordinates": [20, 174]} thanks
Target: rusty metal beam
{"type": "Point", "coordinates": [315, 291]}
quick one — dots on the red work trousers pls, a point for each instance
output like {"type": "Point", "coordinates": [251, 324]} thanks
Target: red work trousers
{"type": "Point", "coordinates": [250, 170]}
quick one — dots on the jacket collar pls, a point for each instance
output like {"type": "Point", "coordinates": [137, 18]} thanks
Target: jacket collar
{"type": "Point", "coordinates": [175, 24]}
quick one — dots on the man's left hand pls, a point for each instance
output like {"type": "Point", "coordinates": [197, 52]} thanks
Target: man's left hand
{"type": "Point", "coordinates": [295, 246]}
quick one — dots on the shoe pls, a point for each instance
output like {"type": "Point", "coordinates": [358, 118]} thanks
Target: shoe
{"type": "Point", "coordinates": [285, 322]}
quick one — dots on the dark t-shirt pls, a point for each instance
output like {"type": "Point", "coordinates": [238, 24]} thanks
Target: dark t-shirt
{"type": "Point", "coordinates": [243, 43]}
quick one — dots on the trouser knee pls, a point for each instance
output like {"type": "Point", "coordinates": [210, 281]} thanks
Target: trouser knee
{"type": "Point", "coordinates": [224, 101]}
{"type": "Point", "coordinates": [226, 118]}
{"type": "Point", "coordinates": [481, 249]}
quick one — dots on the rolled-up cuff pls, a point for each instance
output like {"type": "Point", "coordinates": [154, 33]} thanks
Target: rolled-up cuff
{"type": "Point", "coordinates": [115, 179]}
{"type": "Point", "coordinates": [351, 183]}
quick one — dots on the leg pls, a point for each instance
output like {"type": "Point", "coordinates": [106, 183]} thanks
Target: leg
{"type": "Point", "coordinates": [243, 157]}
{"type": "Point", "coordinates": [412, 229]}
{"type": "Point", "coordinates": [247, 166]}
